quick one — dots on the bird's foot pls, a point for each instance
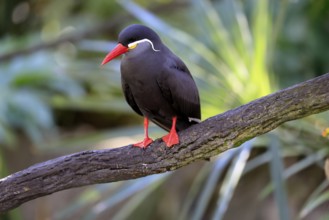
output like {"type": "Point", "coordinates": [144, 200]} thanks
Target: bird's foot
{"type": "Point", "coordinates": [171, 138]}
{"type": "Point", "coordinates": [143, 144]}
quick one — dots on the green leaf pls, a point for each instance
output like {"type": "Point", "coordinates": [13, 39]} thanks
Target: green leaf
{"type": "Point", "coordinates": [232, 179]}
{"type": "Point", "coordinates": [276, 168]}
{"type": "Point", "coordinates": [212, 182]}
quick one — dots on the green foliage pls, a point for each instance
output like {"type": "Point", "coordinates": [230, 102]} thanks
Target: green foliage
{"type": "Point", "coordinates": [26, 87]}
{"type": "Point", "coordinates": [236, 50]}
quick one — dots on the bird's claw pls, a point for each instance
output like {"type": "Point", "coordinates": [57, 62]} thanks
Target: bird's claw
{"type": "Point", "coordinates": [171, 139]}
{"type": "Point", "coordinates": [143, 144]}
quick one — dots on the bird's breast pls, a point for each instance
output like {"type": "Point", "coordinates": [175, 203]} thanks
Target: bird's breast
{"type": "Point", "coordinates": [141, 79]}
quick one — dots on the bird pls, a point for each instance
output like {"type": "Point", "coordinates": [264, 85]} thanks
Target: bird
{"type": "Point", "coordinates": [156, 83]}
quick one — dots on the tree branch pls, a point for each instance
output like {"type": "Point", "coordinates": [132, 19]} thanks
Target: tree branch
{"type": "Point", "coordinates": [207, 139]}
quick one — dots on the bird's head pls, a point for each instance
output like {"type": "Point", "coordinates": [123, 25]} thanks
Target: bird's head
{"type": "Point", "coordinates": [130, 38]}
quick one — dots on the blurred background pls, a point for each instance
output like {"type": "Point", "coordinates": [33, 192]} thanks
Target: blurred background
{"type": "Point", "coordinates": [55, 99]}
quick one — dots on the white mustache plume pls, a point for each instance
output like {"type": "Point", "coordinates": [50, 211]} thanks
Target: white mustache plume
{"type": "Point", "coordinates": [141, 41]}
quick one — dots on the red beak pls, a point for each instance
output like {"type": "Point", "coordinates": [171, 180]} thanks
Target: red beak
{"type": "Point", "coordinates": [117, 51]}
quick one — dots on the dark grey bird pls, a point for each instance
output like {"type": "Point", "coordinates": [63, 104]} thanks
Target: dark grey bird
{"type": "Point", "coordinates": [156, 83]}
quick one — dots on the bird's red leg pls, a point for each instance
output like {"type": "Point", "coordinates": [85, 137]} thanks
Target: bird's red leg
{"type": "Point", "coordinates": [171, 138]}
{"type": "Point", "coordinates": [147, 141]}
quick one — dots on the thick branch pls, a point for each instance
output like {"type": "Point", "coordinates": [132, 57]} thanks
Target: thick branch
{"type": "Point", "coordinates": [209, 138]}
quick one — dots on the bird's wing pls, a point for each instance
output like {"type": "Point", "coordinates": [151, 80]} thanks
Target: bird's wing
{"type": "Point", "coordinates": [129, 97]}
{"type": "Point", "coordinates": [179, 88]}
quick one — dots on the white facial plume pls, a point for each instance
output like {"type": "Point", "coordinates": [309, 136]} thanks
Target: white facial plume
{"type": "Point", "coordinates": [135, 43]}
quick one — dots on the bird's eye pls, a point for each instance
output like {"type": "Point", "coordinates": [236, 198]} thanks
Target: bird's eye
{"type": "Point", "coordinates": [131, 40]}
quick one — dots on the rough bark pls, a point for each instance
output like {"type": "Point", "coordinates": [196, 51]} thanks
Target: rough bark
{"type": "Point", "coordinates": [207, 139]}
